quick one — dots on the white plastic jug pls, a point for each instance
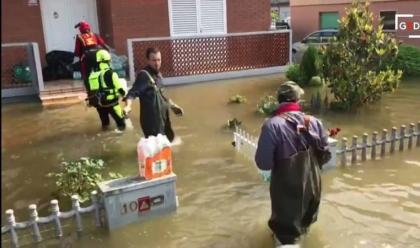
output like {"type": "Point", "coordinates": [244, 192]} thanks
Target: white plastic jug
{"type": "Point", "coordinates": [154, 156]}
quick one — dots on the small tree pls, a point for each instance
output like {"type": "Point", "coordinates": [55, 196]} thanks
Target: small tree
{"type": "Point", "coordinates": [357, 63]}
{"type": "Point", "coordinates": [310, 63]}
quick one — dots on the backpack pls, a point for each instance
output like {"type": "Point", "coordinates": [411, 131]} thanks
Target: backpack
{"type": "Point", "coordinates": [98, 98]}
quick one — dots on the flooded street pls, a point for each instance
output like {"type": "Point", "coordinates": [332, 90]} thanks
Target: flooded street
{"type": "Point", "coordinates": [223, 202]}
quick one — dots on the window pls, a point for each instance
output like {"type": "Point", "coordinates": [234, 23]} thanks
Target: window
{"type": "Point", "coordinates": [313, 38]}
{"type": "Point", "coordinates": [389, 19]}
{"type": "Point", "coordinates": [195, 17]}
{"type": "Point", "coordinates": [328, 20]}
{"type": "Point", "coordinates": [326, 36]}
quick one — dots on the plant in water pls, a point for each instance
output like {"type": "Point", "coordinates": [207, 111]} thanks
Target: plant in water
{"type": "Point", "coordinates": [310, 64]}
{"type": "Point", "coordinates": [295, 74]}
{"type": "Point", "coordinates": [237, 99]}
{"type": "Point", "coordinates": [80, 177]}
{"type": "Point", "coordinates": [231, 124]}
{"type": "Point", "coordinates": [267, 105]}
{"type": "Point", "coordinates": [356, 63]}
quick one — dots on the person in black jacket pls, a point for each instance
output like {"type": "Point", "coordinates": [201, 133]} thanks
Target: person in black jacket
{"type": "Point", "coordinates": [154, 105]}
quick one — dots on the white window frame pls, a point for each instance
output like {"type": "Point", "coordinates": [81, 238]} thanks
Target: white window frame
{"type": "Point", "coordinates": [198, 21]}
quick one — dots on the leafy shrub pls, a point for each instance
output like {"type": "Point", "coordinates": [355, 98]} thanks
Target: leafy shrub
{"type": "Point", "coordinates": [267, 105]}
{"type": "Point", "coordinates": [295, 74]}
{"type": "Point", "coordinates": [409, 61]}
{"type": "Point", "coordinates": [356, 63]}
{"type": "Point", "coordinates": [233, 123]}
{"type": "Point", "coordinates": [315, 81]}
{"type": "Point", "coordinates": [237, 99]}
{"type": "Point", "coordinates": [80, 177]}
{"type": "Point", "coordinates": [310, 64]}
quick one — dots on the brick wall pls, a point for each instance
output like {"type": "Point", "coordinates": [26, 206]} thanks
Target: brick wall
{"type": "Point", "coordinates": [138, 19]}
{"type": "Point", "coordinates": [11, 56]}
{"type": "Point", "coordinates": [105, 21]}
{"type": "Point", "coordinates": [21, 23]}
{"type": "Point", "coordinates": [248, 15]}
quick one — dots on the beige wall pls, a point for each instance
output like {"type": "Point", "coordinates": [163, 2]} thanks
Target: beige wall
{"type": "Point", "coordinates": [324, 2]}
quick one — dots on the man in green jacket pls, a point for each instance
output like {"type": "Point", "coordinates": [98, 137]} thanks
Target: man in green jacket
{"type": "Point", "coordinates": [104, 90]}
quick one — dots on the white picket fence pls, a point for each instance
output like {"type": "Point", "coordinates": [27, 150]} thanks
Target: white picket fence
{"type": "Point", "coordinates": [34, 220]}
{"type": "Point", "coordinates": [246, 144]}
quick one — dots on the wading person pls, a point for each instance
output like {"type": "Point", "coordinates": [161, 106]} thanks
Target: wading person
{"type": "Point", "coordinates": [293, 146]}
{"type": "Point", "coordinates": [104, 90]}
{"type": "Point", "coordinates": [154, 105]}
{"type": "Point", "coordinates": [87, 44]}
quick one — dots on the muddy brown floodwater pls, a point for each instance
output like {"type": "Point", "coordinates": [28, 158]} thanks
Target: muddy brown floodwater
{"type": "Point", "coordinates": [223, 203]}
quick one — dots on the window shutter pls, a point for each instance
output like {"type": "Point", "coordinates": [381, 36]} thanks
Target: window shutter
{"type": "Point", "coordinates": [184, 17]}
{"type": "Point", "coordinates": [212, 16]}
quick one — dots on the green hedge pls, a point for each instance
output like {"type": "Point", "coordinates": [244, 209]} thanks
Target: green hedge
{"type": "Point", "coordinates": [409, 61]}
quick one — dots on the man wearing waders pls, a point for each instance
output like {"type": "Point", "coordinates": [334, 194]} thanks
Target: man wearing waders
{"type": "Point", "coordinates": [154, 105]}
{"type": "Point", "coordinates": [288, 146]}
{"type": "Point", "coordinates": [104, 90]}
{"type": "Point", "coordinates": [87, 44]}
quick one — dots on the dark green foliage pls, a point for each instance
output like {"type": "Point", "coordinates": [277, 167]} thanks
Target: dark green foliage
{"type": "Point", "coordinates": [295, 74]}
{"type": "Point", "coordinates": [356, 64]}
{"type": "Point", "coordinates": [310, 64]}
{"type": "Point", "coordinates": [267, 105]}
{"type": "Point", "coordinates": [80, 177]}
{"type": "Point", "coordinates": [409, 61]}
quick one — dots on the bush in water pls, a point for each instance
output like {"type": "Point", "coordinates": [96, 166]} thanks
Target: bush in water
{"type": "Point", "coordinates": [80, 177]}
{"type": "Point", "coordinates": [310, 64]}
{"type": "Point", "coordinates": [237, 99]}
{"type": "Point", "coordinates": [356, 64]}
{"type": "Point", "coordinates": [295, 74]}
{"type": "Point", "coordinates": [267, 105]}
{"type": "Point", "coordinates": [409, 61]}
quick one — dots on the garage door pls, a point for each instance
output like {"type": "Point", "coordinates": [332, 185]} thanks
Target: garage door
{"type": "Point", "coordinates": [329, 20]}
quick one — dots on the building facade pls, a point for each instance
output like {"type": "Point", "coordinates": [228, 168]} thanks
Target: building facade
{"type": "Point", "coordinates": [51, 23]}
{"type": "Point", "coordinates": [311, 15]}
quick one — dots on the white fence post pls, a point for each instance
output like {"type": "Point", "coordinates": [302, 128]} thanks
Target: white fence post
{"type": "Point", "coordinates": [34, 219]}
{"type": "Point", "coordinates": [373, 146]}
{"type": "Point", "coordinates": [411, 135]}
{"type": "Point", "coordinates": [56, 215]}
{"type": "Point", "coordinates": [11, 223]}
{"type": "Point", "coordinates": [402, 137]}
{"type": "Point", "coordinates": [344, 150]}
{"type": "Point", "coordinates": [130, 53]}
{"type": "Point", "coordinates": [364, 146]}
{"type": "Point", "coordinates": [354, 149]}
{"type": "Point", "coordinates": [76, 210]}
{"type": "Point", "coordinates": [94, 197]}
{"type": "Point", "coordinates": [384, 140]}
{"type": "Point", "coordinates": [393, 138]}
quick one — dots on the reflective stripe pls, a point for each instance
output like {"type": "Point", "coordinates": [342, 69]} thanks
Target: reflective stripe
{"type": "Point", "coordinates": [88, 39]}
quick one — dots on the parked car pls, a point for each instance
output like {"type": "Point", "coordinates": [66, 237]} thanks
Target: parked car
{"type": "Point", "coordinates": [316, 39]}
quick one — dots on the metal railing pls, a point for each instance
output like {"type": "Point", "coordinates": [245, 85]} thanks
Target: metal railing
{"type": "Point", "coordinates": [197, 58]}
{"type": "Point", "coordinates": [21, 69]}
{"type": "Point", "coordinates": [34, 220]}
{"type": "Point", "coordinates": [246, 144]}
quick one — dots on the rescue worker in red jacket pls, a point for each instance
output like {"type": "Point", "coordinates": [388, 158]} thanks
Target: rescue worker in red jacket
{"type": "Point", "coordinates": [87, 44]}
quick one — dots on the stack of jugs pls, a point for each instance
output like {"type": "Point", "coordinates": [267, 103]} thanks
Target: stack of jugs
{"type": "Point", "coordinates": [154, 156]}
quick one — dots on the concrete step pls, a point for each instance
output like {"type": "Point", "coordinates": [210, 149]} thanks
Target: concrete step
{"type": "Point", "coordinates": [62, 98]}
